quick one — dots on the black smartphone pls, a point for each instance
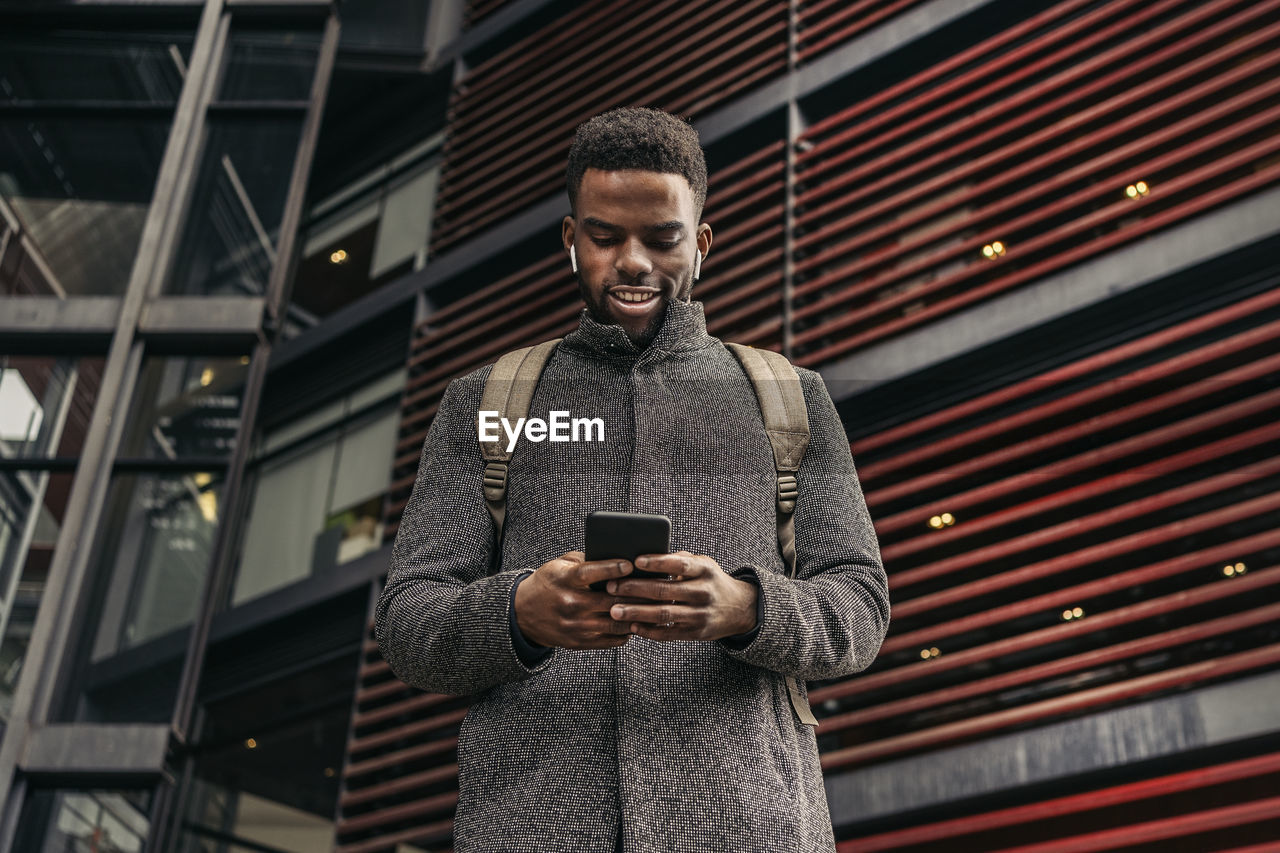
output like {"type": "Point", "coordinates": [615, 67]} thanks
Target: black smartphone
{"type": "Point", "coordinates": [625, 536]}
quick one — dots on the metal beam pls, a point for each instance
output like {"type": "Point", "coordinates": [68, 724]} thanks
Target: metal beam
{"type": "Point", "coordinates": [1210, 717]}
{"type": "Point", "coordinates": [201, 323]}
{"type": "Point", "coordinates": [53, 325]}
{"type": "Point", "coordinates": [134, 751]}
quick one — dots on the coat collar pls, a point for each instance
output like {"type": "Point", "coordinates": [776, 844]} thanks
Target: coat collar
{"type": "Point", "coordinates": [684, 328]}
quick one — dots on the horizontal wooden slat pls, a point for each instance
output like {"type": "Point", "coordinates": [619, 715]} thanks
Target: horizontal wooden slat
{"type": "Point", "coordinates": [1147, 789]}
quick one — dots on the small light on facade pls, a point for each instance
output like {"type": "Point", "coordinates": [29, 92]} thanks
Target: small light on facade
{"type": "Point", "coordinates": [1240, 569]}
{"type": "Point", "coordinates": [1229, 571]}
{"type": "Point", "coordinates": [244, 359]}
{"type": "Point", "coordinates": [1232, 570]}
{"type": "Point", "coordinates": [1067, 615]}
{"type": "Point", "coordinates": [338, 257]}
{"type": "Point", "coordinates": [942, 520]}
{"type": "Point", "coordinates": [206, 376]}
{"type": "Point", "coordinates": [250, 743]}
{"type": "Point", "coordinates": [993, 250]}
{"type": "Point", "coordinates": [1137, 190]}
{"type": "Point", "coordinates": [931, 652]}
{"type": "Point", "coordinates": [330, 772]}
{"type": "Point", "coordinates": [1077, 612]}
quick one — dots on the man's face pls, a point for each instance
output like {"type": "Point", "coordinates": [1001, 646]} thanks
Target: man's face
{"type": "Point", "coordinates": [635, 234]}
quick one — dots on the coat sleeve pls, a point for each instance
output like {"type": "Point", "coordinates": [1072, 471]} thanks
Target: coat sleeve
{"type": "Point", "coordinates": [442, 621]}
{"type": "Point", "coordinates": [831, 619]}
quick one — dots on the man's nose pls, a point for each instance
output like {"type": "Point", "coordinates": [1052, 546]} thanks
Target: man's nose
{"type": "Point", "coordinates": [633, 261]}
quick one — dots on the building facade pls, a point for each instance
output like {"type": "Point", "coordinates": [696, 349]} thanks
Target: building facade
{"type": "Point", "coordinates": [1031, 247]}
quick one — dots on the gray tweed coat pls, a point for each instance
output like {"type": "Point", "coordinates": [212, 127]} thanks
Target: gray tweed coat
{"type": "Point", "coordinates": [654, 746]}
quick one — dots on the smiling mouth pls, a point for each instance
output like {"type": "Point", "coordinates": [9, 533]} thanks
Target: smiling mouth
{"type": "Point", "coordinates": [634, 300]}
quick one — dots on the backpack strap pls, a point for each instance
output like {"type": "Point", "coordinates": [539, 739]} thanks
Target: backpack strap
{"type": "Point", "coordinates": [509, 392]}
{"type": "Point", "coordinates": [786, 421]}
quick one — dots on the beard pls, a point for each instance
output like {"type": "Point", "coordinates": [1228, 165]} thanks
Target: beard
{"type": "Point", "coordinates": [601, 313]}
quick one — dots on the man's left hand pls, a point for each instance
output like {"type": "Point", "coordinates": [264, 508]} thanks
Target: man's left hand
{"type": "Point", "coordinates": [701, 602]}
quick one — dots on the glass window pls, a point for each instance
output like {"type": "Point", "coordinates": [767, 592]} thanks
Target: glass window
{"type": "Point", "coordinates": [78, 189]}
{"type": "Point", "coordinates": [318, 499]}
{"type": "Point", "coordinates": [32, 506]}
{"type": "Point", "coordinates": [87, 65]}
{"type": "Point", "coordinates": [76, 172]}
{"type": "Point", "coordinates": [370, 233]}
{"type": "Point", "coordinates": [266, 774]}
{"type": "Point", "coordinates": [230, 238]}
{"type": "Point", "coordinates": [57, 821]}
{"type": "Point", "coordinates": [152, 555]}
{"type": "Point", "coordinates": [270, 65]}
{"type": "Point", "coordinates": [159, 531]}
{"type": "Point", "coordinates": [45, 405]}
{"type": "Point", "coordinates": [317, 507]}
{"type": "Point", "coordinates": [185, 407]}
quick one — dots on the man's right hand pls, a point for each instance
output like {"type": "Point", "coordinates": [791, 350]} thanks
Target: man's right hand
{"type": "Point", "coordinates": [555, 605]}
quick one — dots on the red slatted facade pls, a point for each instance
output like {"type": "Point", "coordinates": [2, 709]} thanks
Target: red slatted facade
{"type": "Point", "coordinates": [477, 10]}
{"type": "Point", "coordinates": [1030, 139]}
{"type": "Point", "coordinates": [825, 24]}
{"type": "Point", "coordinates": [1123, 482]}
{"type": "Point", "coordinates": [512, 118]}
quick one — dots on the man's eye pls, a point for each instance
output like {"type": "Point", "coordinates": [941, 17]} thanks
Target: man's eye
{"type": "Point", "coordinates": [667, 244]}
{"type": "Point", "coordinates": [603, 241]}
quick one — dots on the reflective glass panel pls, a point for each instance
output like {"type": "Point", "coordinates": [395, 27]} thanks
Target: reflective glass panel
{"type": "Point", "coordinates": [270, 65]}
{"type": "Point", "coordinates": [32, 506]}
{"type": "Point", "coordinates": [87, 65]}
{"type": "Point", "coordinates": [45, 405]}
{"type": "Point", "coordinates": [161, 533]}
{"type": "Point", "coordinates": [58, 821]}
{"type": "Point", "coordinates": [152, 552]}
{"type": "Point", "coordinates": [74, 194]}
{"type": "Point", "coordinates": [270, 761]}
{"type": "Point", "coordinates": [185, 407]}
{"type": "Point", "coordinates": [229, 242]}
{"type": "Point", "coordinates": [318, 500]}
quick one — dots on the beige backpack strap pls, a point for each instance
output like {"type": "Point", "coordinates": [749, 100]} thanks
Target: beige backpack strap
{"type": "Point", "coordinates": [509, 392]}
{"type": "Point", "coordinates": [786, 421]}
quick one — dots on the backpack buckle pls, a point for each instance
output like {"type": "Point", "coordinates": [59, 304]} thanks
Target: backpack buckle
{"type": "Point", "coordinates": [495, 480]}
{"type": "Point", "coordinates": [788, 491]}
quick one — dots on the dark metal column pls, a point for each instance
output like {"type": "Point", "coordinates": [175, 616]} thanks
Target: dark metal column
{"type": "Point", "coordinates": [171, 796]}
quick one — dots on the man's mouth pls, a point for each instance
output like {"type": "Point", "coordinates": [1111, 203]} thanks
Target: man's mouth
{"type": "Point", "coordinates": [634, 301]}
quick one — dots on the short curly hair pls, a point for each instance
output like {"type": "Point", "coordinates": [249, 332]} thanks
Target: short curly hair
{"type": "Point", "coordinates": [638, 138]}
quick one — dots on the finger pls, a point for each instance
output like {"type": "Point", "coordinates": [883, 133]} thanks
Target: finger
{"type": "Point", "coordinates": [585, 574]}
{"type": "Point", "coordinates": [593, 626]}
{"type": "Point", "coordinates": [654, 614]}
{"type": "Point", "coordinates": [664, 632]}
{"type": "Point", "coordinates": [681, 564]}
{"type": "Point", "coordinates": [653, 590]}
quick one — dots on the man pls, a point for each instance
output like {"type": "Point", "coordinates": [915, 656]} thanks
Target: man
{"type": "Point", "coordinates": [652, 715]}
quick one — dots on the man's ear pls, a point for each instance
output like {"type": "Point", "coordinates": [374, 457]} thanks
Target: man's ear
{"type": "Point", "coordinates": [567, 230]}
{"type": "Point", "coordinates": [703, 239]}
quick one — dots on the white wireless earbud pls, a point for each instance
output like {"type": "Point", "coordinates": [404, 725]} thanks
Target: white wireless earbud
{"type": "Point", "coordinates": [573, 259]}
{"type": "Point", "coordinates": [697, 267]}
